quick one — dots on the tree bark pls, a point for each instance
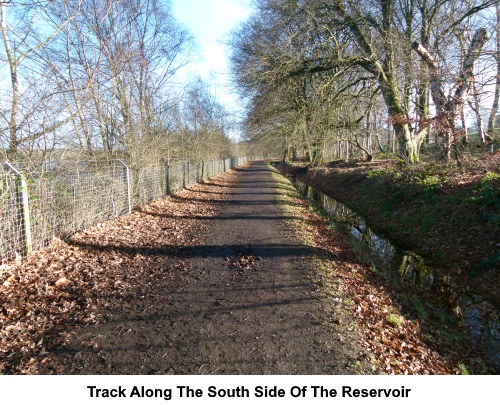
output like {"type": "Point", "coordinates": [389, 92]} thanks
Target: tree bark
{"type": "Point", "coordinates": [14, 105]}
{"type": "Point", "coordinates": [476, 107]}
{"type": "Point", "coordinates": [449, 108]}
{"type": "Point", "coordinates": [496, 97]}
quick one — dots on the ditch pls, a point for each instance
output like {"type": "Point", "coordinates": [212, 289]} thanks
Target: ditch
{"type": "Point", "coordinates": [449, 294]}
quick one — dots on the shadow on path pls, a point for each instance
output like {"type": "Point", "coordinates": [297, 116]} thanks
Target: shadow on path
{"type": "Point", "coordinates": [244, 301]}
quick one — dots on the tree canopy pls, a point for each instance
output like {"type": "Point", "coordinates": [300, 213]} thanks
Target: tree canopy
{"type": "Point", "coordinates": [318, 73]}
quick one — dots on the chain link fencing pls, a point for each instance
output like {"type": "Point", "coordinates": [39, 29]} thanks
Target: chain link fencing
{"type": "Point", "coordinates": [38, 202]}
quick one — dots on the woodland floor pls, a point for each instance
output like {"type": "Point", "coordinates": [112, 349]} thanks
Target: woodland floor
{"type": "Point", "coordinates": [218, 279]}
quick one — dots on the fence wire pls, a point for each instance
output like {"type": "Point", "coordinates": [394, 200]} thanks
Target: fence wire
{"type": "Point", "coordinates": [12, 231]}
{"type": "Point", "coordinates": [175, 177]}
{"type": "Point", "coordinates": [38, 202]}
{"type": "Point", "coordinates": [147, 184]}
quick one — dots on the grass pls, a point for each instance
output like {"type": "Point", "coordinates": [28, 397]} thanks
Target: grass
{"type": "Point", "coordinates": [419, 306]}
{"type": "Point", "coordinates": [395, 320]}
{"type": "Point", "coordinates": [417, 203]}
{"type": "Point", "coordinates": [490, 263]}
{"type": "Point", "coordinates": [324, 277]}
{"type": "Point", "coordinates": [462, 368]}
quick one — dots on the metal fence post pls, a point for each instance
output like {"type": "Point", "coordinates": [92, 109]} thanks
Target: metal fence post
{"type": "Point", "coordinates": [188, 174]}
{"type": "Point", "coordinates": [24, 210]}
{"type": "Point", "coordinates": [127, 184]}
{"type": "Point", "coordinates": [167, 179]}
{"type": "Point", "coordinates": [202, 170]}
{"type": "Point", "coordinates": [184, 174]}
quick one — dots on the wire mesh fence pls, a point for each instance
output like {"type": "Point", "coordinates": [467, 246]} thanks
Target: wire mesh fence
{"type": "Point", "coordinates": [38, 202]}
{"type": "Point", "coordinates": [15, 239]}
{"type": "Point", "coordinates": [148, 183]}
{"type": "Point", "coordinates": [175, 179]}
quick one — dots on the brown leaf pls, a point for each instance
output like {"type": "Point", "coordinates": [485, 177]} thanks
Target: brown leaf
{"type": "Point", "coordinates": [62, 282]}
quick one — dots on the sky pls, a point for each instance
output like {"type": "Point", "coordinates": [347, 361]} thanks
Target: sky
{"type": "Point", "coordinates": [210, 22]}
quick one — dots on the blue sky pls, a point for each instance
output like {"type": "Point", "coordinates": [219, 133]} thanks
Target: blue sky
{"type": "Point", "coordinates": [210, 21]}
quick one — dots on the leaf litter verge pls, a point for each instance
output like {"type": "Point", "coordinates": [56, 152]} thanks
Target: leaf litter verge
{"type": "Point", "coordinates": [75, 282]}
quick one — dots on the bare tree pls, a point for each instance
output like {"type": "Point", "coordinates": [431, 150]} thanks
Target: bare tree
{"type": "Point", "coordinates": [119, 58]}
{"type": "Point", "coordinates": [33, 108]}
{"type": "Point", "coordinates": [450, 107]}
{"type": "Point", "coordinates": [364, 43]}
{"type": "Point", "coordinates": [204, 127]}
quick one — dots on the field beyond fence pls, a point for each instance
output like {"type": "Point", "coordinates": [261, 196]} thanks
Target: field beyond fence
{"type": "Point", "coordinates": [41, 201]}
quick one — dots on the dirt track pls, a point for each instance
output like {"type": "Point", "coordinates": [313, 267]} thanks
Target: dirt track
{"type": "Point", "coordinates": [243, 301]}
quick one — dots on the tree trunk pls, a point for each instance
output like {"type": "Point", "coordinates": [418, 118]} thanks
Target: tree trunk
{"type": "Point", "coordinates": [476, 107]}
{"type": "Point", "coordinates": [449, 108]}
{"type": "Point", "coordinates": [12, 124]}
{"type": "Point", "coordinates": [496, 97]}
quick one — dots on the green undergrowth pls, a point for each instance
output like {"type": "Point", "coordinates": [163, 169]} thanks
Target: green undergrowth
{"type": "Point", "coordinates": [424, 207]}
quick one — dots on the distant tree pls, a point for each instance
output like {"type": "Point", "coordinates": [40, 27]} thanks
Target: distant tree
{"type": "Point", "coordinates": [205, 125]}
